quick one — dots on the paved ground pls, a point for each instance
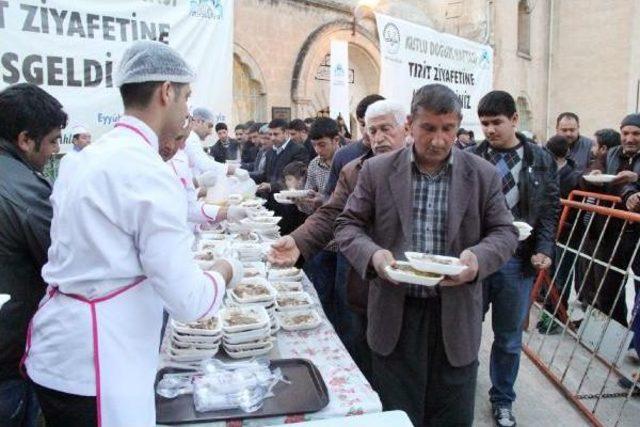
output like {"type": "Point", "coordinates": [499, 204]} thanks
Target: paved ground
{"type": "Point", "coordinates": [538, 402]}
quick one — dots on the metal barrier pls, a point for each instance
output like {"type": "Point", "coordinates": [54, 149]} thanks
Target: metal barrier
{"type": "Point", "coordinates": [596, 247]}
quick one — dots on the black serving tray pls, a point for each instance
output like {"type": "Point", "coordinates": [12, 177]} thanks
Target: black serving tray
{"type": "Point", "coordinates": [306, 393]}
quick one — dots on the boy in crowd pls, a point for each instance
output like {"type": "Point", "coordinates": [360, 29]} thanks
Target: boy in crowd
{"type": "Point", "coordinates": [530, 186]}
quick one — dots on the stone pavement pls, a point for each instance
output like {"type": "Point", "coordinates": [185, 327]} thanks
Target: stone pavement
{"type": "Point", "coordinates": [538, 402]}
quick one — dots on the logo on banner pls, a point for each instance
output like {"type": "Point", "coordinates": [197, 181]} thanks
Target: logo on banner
{"type": "Point", "coordinates": [391, 37]}
{"type": "Point", "coordinates": [485, 60]}
{"type": "Point", "coordinates": [339, 71]}
{"type": "Point", "coordinates": [209, 9]}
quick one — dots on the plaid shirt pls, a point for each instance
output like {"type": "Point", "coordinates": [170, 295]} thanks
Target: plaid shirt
{"type": "Point", "coordinates": [430, 199]}
{"type": "Point", "coordinates": [318, 173]}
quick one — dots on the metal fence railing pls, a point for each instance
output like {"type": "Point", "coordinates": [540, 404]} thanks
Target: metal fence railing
{"type": "Point", "coordinates": [583, 310]}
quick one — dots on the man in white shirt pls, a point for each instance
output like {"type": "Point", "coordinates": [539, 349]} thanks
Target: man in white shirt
{"type": "Point", "coordinates": [199, 161]}
{"type": "Point", "coordinates": [120, 253]}
{"type": "Point", "coordinates": [80, 138]}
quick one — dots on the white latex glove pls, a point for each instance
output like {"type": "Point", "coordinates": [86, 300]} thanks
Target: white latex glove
{"type": "Point", "coordinates": [241, 174]}
{"type": "Point", "coordinates": [207, 179]}
{"type": "Point", "coordinates": [237, 271]}
{"type": "Point", "coordinates": [236, 213]}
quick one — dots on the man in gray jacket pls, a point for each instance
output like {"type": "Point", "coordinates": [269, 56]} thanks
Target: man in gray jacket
{"type": "Point", "coordinates": [30, 123]}
{"type": "Point", "coordinates": [568, 125]}
{"type": "Point", "coordinates": [432, 198]}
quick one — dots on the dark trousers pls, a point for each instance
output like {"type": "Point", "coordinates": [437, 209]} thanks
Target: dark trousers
{"type": "Point", "coordinates": [18, 403]}
{"type": "Point", "coordinates": [321, 270]}
{"type": "Point", "coordinates": [64, 410]}
{"type": "Point", "coordinates": [612, 283]}
{"type": "Point", "coordinates": [417, 377]}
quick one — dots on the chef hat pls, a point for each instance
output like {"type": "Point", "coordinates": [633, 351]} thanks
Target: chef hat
{"type": "Point", "coordinates": [202, 114]}
{"type": "Point", "coordinates": [151, 61]}
{"type": "Point", "coordinates": [77, 130]}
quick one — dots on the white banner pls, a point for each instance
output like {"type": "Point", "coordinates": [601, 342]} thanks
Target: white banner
{"type": "Point", "coordinates": [413, 55]}
{"type": "Point", "coordinates": [339, 81]}
{"type": "Point", "coordinates": [72, 48]}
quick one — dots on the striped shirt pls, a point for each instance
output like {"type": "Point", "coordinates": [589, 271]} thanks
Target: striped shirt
{"type": "Point", "coordinates": [430, 207]}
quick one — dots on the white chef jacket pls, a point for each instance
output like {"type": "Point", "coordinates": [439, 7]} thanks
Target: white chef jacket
{"type": "Point", "coordinates": [197, 212]}
{"type": "Point", "coordinates": [199, 161]}
{"type": "Point", "coordinates": [123, 215]}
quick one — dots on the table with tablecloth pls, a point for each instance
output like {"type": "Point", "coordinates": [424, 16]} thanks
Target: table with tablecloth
{"type": "Point", "coordinates": [349, 391]}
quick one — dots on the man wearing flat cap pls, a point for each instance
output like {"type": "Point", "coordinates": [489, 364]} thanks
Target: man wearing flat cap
{"type": "Point", "coordinates": [120, 253]}
{"type": "Point", "coordinates": [622, 161]}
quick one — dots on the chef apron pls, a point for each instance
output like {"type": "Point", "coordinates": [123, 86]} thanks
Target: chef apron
{"type": "Point", "coordinates": [120, 345]}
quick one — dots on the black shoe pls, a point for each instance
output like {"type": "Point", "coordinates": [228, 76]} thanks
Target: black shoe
{"type": "Point", "coordinates": [503, 416]}
{"type": "Point", "coordinates": [625, 383]}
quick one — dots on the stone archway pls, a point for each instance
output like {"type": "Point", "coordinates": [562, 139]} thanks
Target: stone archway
{"type": "Point", "coordinates": [310, 88]}
{"type": "Point", "coordinates": [249, 88]}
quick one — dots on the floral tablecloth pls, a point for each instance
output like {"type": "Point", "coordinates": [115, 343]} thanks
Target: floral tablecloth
{"type": "Point", "coordinates": [349, 391]}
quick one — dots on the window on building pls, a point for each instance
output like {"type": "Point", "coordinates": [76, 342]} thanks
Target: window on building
{"type": "Point", "coordinates": [524, 27]}
{"type": "Point", "coordinates": [524, 112]}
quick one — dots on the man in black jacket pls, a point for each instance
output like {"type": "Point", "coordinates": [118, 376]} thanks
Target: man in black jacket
{"type": "Point", "coordinates": [30, 123]}
{"type": "Point", "coordinates": [225, 148]}
{"type": "Point", "coordinates": [530, 186]}
{"type": "Point", "coordinates": [286, 151]}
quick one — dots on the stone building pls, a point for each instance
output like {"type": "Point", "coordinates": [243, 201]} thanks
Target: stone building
{"type": "Point", "coordinates": [552, 55]}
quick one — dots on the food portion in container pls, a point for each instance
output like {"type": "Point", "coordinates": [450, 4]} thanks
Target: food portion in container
{"type": "Point", "coordinates": [286, 287]}
{"type": "Point", "coordinates": [290, 301]}
{"type": "Point", "coordinates": [408, 269]}
{"type": "Point", "coordinates": [244, 290]}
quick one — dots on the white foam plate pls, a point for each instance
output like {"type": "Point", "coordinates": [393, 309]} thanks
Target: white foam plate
{"type": "Point", "coordinates": [285, 274]}
{"type": "Point", "coordinates": [286, 320]}
{"type": "Point", "coordinates": [254, 345]}
{"type": "Point", "coordinates": [294, 194]}
{"type": "Point", "coordinates": [599, 178]}
{"type": "Point", "coordinates": [190, 329]}
{"type": "Point", "coordinates": [430, 264]}
{"type": "Point", "coordinates": [287, 287]}
{"type": "Point", "coordinates": [259, 281]}
{"type": "Point", "coordinates": [253, 203]}
{"type": "Point", "coordinates": [247, 336]}
{"type": "Point", "coordinates": [524, 230]}
{"type": "Point", "coordinates": [177, 344]}
{"type": "Point", "coordinates": [250, 353]}
{"type": "Point", "coordinates": [303, 297]}
{"type": "Point", "coordinates": [197, 340]}
{"type": "Point", "coordinates": [189, 356]}
{"type": "Point", "coordinates": [257, 311]}
{"type": "Point", "coordinates": [405, 277]}
{"type": "Point", "coordinates": [283, 200]}
{"type": "Point", "coordinates": [4, 298]}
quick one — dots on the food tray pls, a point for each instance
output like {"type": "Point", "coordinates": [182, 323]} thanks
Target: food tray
{"type": "Point", "coordinates": [284, 319]}
{"type": "Point", "coordinates": [307, 301]}
{"type": "Point", "coordinates": [600, 178]}
{"type": "Point", "coordinates": [259, 312]}
{"type": "Point", "coordinates": [411, 278]}
{"type": "Point", "coordinates": [294, 194]}
{"type": "Point", "coordinates": [287, 287]}
{"type": "Point", "coordinates": [188, 329]}
{"type": "Point", "coordinates": [437, 264]}
{"type": "Point", "coordinates": [291, 274]}
{"type": "Point", "coordinates": [249, 353]}
{"type": "Point", "coordinates": [306, 393]}
{"type": "Point", "coordinates": [247, 299]}
{"type": "Point", "coordinates": [524, 230]}
{"type": "Point", "coordinates": [248, 336]}
{"type": "Point", "coordinates": [282, 199]}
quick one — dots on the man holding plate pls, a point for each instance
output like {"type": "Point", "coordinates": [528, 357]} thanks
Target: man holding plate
{"type": "Point", "coordinates": [428, 198]}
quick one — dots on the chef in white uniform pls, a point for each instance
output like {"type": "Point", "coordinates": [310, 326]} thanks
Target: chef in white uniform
{"type": "Point", "coordinates": [199, 212]}
{"type": "Point", "coordinates": [120, 252]}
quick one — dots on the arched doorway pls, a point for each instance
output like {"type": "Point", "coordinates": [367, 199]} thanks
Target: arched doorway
{"type": "Point", "coordinates": [249, 92]}
{"type": "Point", "coordinates": [310, 85]}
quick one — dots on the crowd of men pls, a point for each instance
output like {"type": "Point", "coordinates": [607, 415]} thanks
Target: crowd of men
{"type": "Point", "coordinates": [123, 210]}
